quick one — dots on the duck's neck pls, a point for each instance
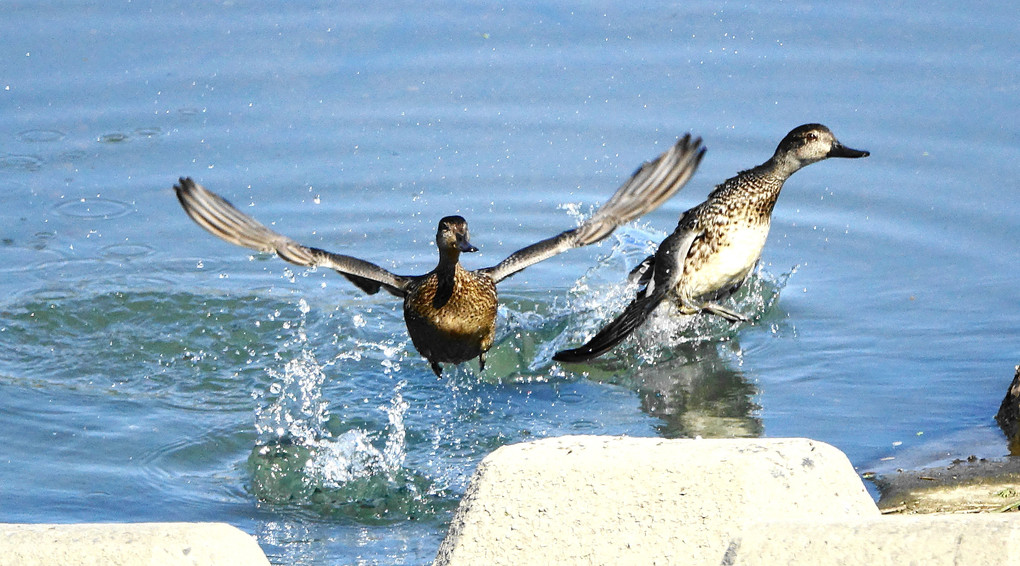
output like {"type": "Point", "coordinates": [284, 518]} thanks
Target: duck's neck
{"type": "Point", "coordinates": [449, 258]}
{"type": "Point", "coordinates": [764, 181]}
{"type": "Point", "coordinates": [756, 190]}
{"type": "Point", "coordinates": [446, 276]}
{"type": "Point", "coordinates": [782, 165]}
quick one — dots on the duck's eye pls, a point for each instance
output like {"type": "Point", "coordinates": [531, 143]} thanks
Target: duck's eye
{"type": "Point", "coordinates": [810, 136]}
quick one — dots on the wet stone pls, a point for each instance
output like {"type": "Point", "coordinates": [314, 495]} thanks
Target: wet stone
{"type": "Point", "coordinates": [1008, 416]}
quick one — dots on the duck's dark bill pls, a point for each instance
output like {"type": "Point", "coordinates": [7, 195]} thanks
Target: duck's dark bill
{"type": "Point", "coordinates": [840, 150]}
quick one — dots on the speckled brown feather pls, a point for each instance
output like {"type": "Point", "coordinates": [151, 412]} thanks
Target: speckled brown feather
{"type": "Point", "coordinates": [455, 330]}
{"type": "Point", "coordinates": [739, 206]}
{"type": "Point", "coordinates": [717, 243]}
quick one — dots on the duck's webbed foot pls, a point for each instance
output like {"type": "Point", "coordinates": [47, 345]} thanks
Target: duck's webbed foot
{"type": "Point", "coordinates": [719, 310]}
{"type": "Point", "coordinates": [481, 362]}
{"type": "Point", "coordinates": [438, 369]}
{"type": "Point", "coordinates": [692, 307]}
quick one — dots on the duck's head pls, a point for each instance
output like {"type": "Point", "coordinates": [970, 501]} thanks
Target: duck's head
{"type": "Point", "coordinates": [452, 236]}
{"type": "Point", "coordinates": [809, 144]}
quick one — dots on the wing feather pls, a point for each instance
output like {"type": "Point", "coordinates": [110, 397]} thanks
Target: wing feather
{"type": "Point", "coordinates": [648, 187]}
{"type": "Point", "coordinates": [224, 220]}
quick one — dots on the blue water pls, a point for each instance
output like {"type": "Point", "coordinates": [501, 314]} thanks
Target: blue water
{"type": "Point", "coordinates": [150, 372]}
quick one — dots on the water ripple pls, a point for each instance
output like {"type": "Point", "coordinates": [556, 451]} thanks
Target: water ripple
{"type": "Point", "coordinates": [20, 162]}
{"type": "Point", "coordinates": [149, 132]}
{"type": "Point", "coordinates": [127, 251]}
{"type": "Point", "coordinates": [113, 137]}
{"type": "Point", "coordinates": [19, 259]}
{"type": "Point", "coordinates": [155, 334]}
{"type": "Point", "coordinates": [95, 207]}
{"type": "Point", "coordinates": [41, 136]}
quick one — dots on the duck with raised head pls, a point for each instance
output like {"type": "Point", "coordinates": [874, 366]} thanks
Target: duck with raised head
{"type": "Point", "coordinates": [450, 312]}
{"type": "Point", "coordinates": [717, 243]}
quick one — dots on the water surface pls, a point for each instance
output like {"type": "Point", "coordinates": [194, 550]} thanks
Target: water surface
{"type": "Point", "coordinates": [151, 372]}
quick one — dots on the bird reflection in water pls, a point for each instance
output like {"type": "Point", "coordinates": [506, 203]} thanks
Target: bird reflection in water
{"type": "Point", "coordinates": [697, 392]}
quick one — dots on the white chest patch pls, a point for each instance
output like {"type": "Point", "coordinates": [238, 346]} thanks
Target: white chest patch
{"type": "Point", "coordinates": [728, 265]}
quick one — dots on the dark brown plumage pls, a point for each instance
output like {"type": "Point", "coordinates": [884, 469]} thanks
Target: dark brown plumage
{"type": "Point", "coordinates": [451, 312]}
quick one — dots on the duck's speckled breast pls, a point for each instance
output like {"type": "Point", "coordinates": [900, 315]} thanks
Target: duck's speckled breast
{"type": "Point", "coordinates": [459, 329]}
{"type": "Point", "coordinates": [720, 261]}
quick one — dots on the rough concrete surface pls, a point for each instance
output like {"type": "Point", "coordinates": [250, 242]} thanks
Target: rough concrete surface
{"type": "Point", "coordinates": [923, 540]}
{"type": "Point", "coordinates": [135, 544]}
{"type": "Point", "coordinates": [618, 500]}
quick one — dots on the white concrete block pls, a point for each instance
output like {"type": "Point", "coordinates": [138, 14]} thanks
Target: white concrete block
{"type": "Point", "coordinates": [901, 540]}
{"type": "Point", "coordinates": [620, 500]}
{"type": "Point", "coordinates": [132, 544]}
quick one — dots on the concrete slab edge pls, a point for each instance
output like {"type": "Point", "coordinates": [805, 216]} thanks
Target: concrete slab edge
{"type": "Point", "coordinates": [128, 544]}
{"type": "Point", "coordinates": [621, 500]}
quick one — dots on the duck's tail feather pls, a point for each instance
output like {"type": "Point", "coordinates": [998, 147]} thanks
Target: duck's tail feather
{"type": "Point", "coordinates": [642, 274]}
{"type": "Point", "coordinates": [615, 332]}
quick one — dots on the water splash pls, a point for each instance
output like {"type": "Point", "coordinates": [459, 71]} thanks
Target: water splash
{"type": "Point", "coordinates": [605, 290]}
{"type": "Point", "coordinates": [309, 457]}
{"type": "Point", "coordinates": [353, 455]}
{"type": "Point", "coordinates": [296, 410]}
{"type": "Point", "coordinates": [668, 329]}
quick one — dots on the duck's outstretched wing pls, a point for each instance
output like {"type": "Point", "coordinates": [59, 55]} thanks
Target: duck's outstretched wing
{"type": "Point", "coordinates": [658, 273]}
{"type": "Point", "coordinates": [218, 216]}
{"type": "Point", "coordinates": [649, 187]}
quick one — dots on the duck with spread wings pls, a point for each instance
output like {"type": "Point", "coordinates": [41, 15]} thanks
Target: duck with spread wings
{"type": "Point", "coordinates": [450, 312]}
